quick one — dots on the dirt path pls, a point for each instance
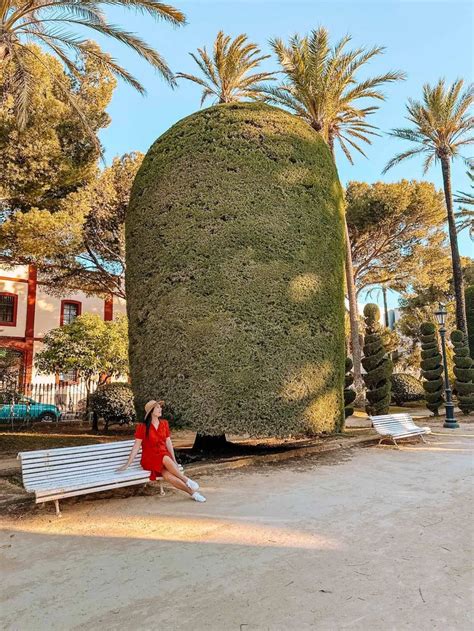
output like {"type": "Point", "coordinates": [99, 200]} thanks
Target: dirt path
{"type": "Point", "coordinates": [369, 539]}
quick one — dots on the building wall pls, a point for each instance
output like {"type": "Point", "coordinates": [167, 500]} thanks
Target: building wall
{"type": "Point", "coordinates": [38, 312]}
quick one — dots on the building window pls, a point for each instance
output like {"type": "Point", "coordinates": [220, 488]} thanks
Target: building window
{"type": "Point", "coordinates": [70, 309]}
{"type": "Point", "coordinates": [8, 309]}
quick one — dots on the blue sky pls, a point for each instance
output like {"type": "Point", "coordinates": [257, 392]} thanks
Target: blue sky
{"type": "Point", "coordinates": [426, 39]}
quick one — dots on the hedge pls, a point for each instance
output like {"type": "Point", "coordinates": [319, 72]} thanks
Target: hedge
{"type": "Point", "coordinates": [464, 372]}
{"type": "Point", "coordinates": [113, 402]}
{"type": "Point", "coordinates": [406, 388]}
{"type": "Point", "coordinates": [349, 392]}
{"type": "Point", "coordinates": [431, 368]}
{"type": "Point", "coordinates": [469, 296]}
{"type": "Point", "coordinates": [235, 255]}
{"type": "Point", "coordinates": [376, 363]}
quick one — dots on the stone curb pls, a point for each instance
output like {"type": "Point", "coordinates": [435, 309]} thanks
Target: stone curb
{"type": "Point", "coordinates": [291, 454]}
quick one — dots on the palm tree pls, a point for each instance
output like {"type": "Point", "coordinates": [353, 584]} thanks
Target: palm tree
{"type": "Point", "coordinates": [441, 124]}
{"type": "Point", "coordinates": [226, 74]}
{"type": "Point", "coordinates": [321, 87]}
{"type": "Point", "coordinates": [465, 216]}
{"type": "Point", "coordinates": [47, 22]}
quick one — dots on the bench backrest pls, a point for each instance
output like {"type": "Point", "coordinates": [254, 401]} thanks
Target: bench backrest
{"type": "Point", "coordinates": [74, 462]}
{"type": "Point", "coordinates": [391, 423]}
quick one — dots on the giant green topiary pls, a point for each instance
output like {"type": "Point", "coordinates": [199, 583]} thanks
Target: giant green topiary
{"type": "Point", "coordinates": [235, 255]}
{"type": "Point", "coordinates": [431, 368]}
{"type": "Point", "coordinates": [464, 372]}
{"type": "Point", "coordinates": [377, 365]}
{"type": "Point", "coordinates": [349, 392]}
{"type": "Point", "coordinates": [469, 295]}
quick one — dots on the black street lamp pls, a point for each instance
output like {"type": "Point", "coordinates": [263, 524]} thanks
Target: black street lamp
{"type": "Point", "coordinates": [450, 421]}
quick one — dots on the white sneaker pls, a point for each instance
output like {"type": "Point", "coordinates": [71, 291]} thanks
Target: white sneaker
{"type": "Point", "coordinates": [191, 484]}
{"type": "Point", "coordinates": [197, 497]}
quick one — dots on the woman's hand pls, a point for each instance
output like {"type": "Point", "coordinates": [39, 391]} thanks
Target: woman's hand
{"type": "Point", "coordinates": [123, 467]}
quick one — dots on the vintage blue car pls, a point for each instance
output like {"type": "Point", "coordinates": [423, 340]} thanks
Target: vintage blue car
{"type": "Point", "coordinates": [25, 408]}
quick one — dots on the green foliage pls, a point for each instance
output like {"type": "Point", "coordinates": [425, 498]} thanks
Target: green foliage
{"type": "Point", "coordinates": [113, 402]}
{"type": "Point", "coordinates": [82, 242]}
{"type": "Point", "coordinates": [469, 294]}
{"type": "Point", "coordinates": [406, 388]}
{"type": "Point", "coordinates": [234, 299]}
{"type": "Point", "coordinates": [431, 367]}
{"type": "Point", "coordinates": [377, 365]}
{"type": "Point", "coordinates": [397, 234]}
{"type": "Point", "coordinates": [53, 155]}
{"type": "Point", "coordinates": [464, 372]}
{"type": "Point", "coordinates": [22, 23]}
{"type": "Point", "coordinates": [349, 393]}
{"type": "Point", "coordinates": [87, 345]}
{"type": "Point", "coordinates": [225, 74]}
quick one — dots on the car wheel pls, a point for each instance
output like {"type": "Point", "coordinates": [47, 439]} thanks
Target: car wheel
{"type": "Point", "coordinates": [47, 417]}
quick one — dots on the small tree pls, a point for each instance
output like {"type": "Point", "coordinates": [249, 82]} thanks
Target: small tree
{"type": "Point", "coordinates": [349, 393]}
{"type": "Point", "coordinates": [431, 367]}
{"type": "Point", "coordinates": [377, 365]}
{"type": "Point", "coordinates": [464, 372]}
{"type": "Point", "coordinates": [88, 345]}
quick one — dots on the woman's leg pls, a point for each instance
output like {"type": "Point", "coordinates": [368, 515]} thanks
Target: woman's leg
{"type": "Point", "coordinates": [175, 481]}
{"type": "Point", "coordinates": [170, 465]}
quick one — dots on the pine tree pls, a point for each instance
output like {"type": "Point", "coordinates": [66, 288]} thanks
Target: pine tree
{"type": "Point", "coordinates": [431, 367]}
{"type": "Point", "coordinates": [377, 365]}
{"type": "Point", "coordinates": [464, 372]}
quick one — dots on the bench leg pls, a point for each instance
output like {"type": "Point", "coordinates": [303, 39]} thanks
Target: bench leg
{"type": "Point", "coordinates": [58, 512]}
{"type": "Point", "coordinates": [162, 491]}
{"type": "Point", "coordinates": [395, 443]}
{"type": "Point", "coordinates": [422, 438]}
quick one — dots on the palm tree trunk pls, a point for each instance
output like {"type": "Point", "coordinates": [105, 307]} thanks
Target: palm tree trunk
{"type": "Point", "coordinates": [385, 306]}
{"type": "Point", "coordinates": [351, 295]}
{"type": "Point", "coordinates": [353, 310]}
{"type": "Point", "coordinates": [461, 320]}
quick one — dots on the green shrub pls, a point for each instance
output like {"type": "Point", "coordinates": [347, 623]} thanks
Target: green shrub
{"type": "Point", "coordinates": [349, 393]}
{"type": "Point", "coordinates": [464, 371]}
{"type": "Point", "coordinates": [113, 402]}
{"type": "Point", "coordinates": [376, 363]}
{"type": "Point", "coordinates": [406, 388]}
{"type": "Point", "coordinates": [469, 295]}
{"type": "Point", "coordinates": [235, 256]}
{"type": "Point", "coordinates": [431, 367]}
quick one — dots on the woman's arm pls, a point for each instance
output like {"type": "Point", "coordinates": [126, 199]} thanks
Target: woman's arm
{"type": "Point", "coordinates": [133, 453]}
{"type": "Point", "coordinates": [170, 448]}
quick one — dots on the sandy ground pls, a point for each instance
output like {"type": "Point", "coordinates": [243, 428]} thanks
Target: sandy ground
{"type": "Point", "coordinates": [371, 539]}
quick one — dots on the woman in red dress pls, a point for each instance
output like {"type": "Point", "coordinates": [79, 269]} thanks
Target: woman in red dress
{"type": "Point", "coordinates": [153, 436]}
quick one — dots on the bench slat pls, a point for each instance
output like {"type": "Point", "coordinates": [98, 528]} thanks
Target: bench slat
{"type": "Point", "coordinates": [109, 487]}
{"type": "Point", "coordinates": [27, 456]}
{"type": "Point", "coordinates": [50, 465]}
{"type": "Point", "coordinates": [91, 482]}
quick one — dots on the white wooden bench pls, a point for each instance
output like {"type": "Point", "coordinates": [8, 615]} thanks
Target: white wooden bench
{"type": "Point", "coordinates": [52, 474]}
{"type": "Point", "coordinates": [396, 426]}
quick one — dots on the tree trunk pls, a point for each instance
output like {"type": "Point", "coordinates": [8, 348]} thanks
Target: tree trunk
{"type": "Point", "coordinates": [353, 310]}
{"type": "Point", "coordinates": [351, 295]}
{"type": "Point", "coordinates": [461, 320]}
{"type": "Point", "coordinates": [385, 307]}
{"type": "Point", "coordinates": [205, 442]}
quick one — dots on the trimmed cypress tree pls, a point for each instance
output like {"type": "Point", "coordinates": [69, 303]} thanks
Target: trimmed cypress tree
{"type": "Point", "coordinates": [464, 372]}
{"type": "Point", "coordinates": [469, 295]}
{"type": "Point", "coordinates": [349, 393]}
{"type": "Point", "coordinates": [376, 363]}
{"type": "Point", "coordinates": [235, 274]}
{"type": "Point", "coordinates": [431, 367]}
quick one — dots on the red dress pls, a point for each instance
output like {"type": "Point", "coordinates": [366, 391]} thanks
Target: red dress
{"type": "Point", "coordinates": [153, 446]}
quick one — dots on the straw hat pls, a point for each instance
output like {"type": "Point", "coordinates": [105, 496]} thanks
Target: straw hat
{"type": "Point", "coordinates": [149, 407]}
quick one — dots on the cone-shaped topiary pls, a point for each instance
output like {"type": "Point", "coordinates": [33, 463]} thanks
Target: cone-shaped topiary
{"type": "Point", "coordinates": [469, 296]}
{"type": "Point", "coordinates": [377, 365]}
{"type": "Point", "coordinates": [431, 367]}
{"type": "Point", "coordinates": [464, 372]}
{"type": "Point", "coordinates": [235, 258]}
{"type": "Point", "coordinates": [349, 393]}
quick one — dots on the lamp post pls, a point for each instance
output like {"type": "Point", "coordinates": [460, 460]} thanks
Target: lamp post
{"type": "Point", "coordinates": [450, 421]}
